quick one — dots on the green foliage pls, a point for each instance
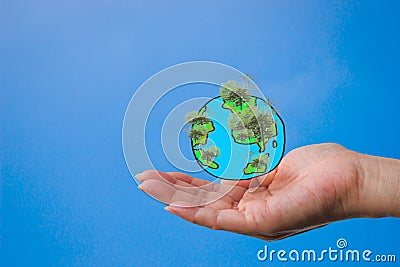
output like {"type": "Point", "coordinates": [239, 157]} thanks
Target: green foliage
{"type": "Point", "coordinates": [247, 81]}
{"type": "Point", "coordinates": [235, 123]}
{"type": "Point", "coordinates": [262, 124]}
{"type": "Point", "coordinates": [214, 150]}
{"type": "Point", "coordinates": [210, 153]}
{"type": "Point", "coordinates": [258, 123]}
{"type": "Point", "coordinates": [242, 135]}
{"type": "Point", "coordinates": [226, 90]}
{"type": "Point", "coordinates": [245, 135]}
{"type": "Point", "coordinates": [195, 134]}
{"type": "Point", "coordinates": [237, 93]}
{"type": "Point", "coordinates": [260, 161]}
{"type": "Point", "coordinates": [264, 159]}
{"type": "Point", "coordinates": [191, 115]}
{"type": "Point", "coordinates": [201, 125]}
{"type": "Point", "coordinates": [195, 117]}
{"type": "Point", "coordinates": [270, 102]}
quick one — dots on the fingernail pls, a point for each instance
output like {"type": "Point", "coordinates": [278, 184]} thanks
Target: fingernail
{"type": "Point", "coordinates": [139, 176]}
{"type": "Point", "coordinates": [168, 208]}
{"type": "Point", "coordinates": [181, 204]}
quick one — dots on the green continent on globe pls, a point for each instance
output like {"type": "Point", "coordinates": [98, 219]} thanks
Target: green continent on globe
{"type": "Point", "coordinates": [201, 127]}
{"type": "Point", "coordinates": [257, 165]}
{"type": "Point", "coordinates": [204, 129]}
{"type": "Point", "coordinates": [248, 124]}
{"type": "Point", "coordinates": [203, 160]}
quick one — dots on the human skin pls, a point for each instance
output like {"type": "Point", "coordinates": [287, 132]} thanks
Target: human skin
{"type": "Point", "coordinates": [311, 187]}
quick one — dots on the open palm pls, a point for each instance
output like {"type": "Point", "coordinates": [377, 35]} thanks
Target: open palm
{"type": "Point", "coordinates": [312, 186]}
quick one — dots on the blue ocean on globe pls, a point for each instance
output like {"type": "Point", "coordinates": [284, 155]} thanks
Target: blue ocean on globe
{"type": "Point", "coordinates": [234, 157]}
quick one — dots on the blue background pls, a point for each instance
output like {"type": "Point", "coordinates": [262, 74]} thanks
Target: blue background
{"type": "Point", "coordinates": [69, 69]}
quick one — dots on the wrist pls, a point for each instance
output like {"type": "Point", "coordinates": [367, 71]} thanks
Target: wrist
{"type": "Point", "coordinates": [378, 187]}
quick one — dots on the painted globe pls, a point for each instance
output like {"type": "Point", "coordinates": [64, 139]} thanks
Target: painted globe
{"type": "Point", "coordinates": [237, 140]}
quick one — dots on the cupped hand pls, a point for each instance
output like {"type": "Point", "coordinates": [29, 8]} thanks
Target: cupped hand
{"type": "Point", "coordinates": [312, 186]}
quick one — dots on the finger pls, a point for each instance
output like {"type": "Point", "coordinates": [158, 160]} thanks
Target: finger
{"type": "Point", "coordinates": [218, 219]}
{"type": "Point", "coordinates": [191, 180]}
{"type": "Point", "coordinates": [255, 183]}
{"type": "Point", "coordinates": [168, 193]}
{"type": "Point", "coordinates": [177, 178]}
{"type": "Point", "coordinates": [262, 181]}
{"type": "Point", "coordinates": [238, 183]}
{"type": "Point", "coordinates": [267, 179]}
{"type": "Point", "coordinates": [186, 183]}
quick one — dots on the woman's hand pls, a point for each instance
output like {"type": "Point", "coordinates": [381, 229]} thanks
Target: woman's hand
{"type": "Point", "coordinates": [312, 186]}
